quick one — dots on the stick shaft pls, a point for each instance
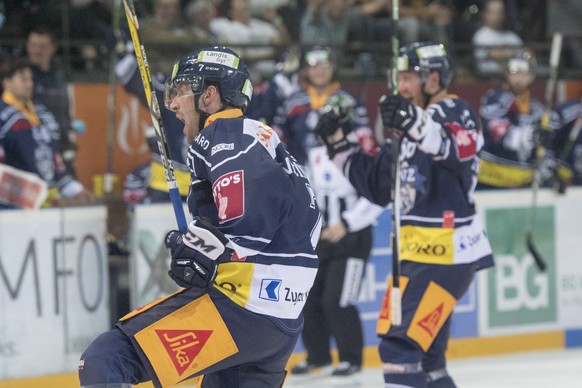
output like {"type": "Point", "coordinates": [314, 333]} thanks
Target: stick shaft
{"type": "Point", "coordinates": [154, 106]}
{"type": "Point", "coordinates": [396, 316]}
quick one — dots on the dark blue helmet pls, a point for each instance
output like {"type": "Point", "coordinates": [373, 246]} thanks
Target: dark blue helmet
{"type": "Point", "coordinates": [424, 58]}
{"type": "Point", "coordinates": [311, 56]}
{"type": "Point", "coordinates": [216, 65]}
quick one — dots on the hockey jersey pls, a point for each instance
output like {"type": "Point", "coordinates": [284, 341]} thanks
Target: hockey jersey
{"type": "Point", "coordinates": [438, 178]}
{"type": "Point", "coordinates": [299, 115]}
{"type": "Point", "coordinates": [30, 141]}
{"type": "Point", "coordinates": [337, 199]}
{"type": "Point", "coordinates": [508, 128]}
{"type": "Point", "coordinates": [566, 120]}
{"type": "Point", "coordinates": [246, 183]}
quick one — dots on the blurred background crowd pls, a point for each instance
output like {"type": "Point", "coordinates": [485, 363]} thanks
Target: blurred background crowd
{"type": "Point", "coordinates": [357, 29]}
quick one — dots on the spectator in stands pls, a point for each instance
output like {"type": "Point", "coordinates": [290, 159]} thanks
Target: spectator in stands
{"type": "Point", "coordinates": [346, 235]}
{"type": "Point", "coordinates": [50, 89]}
{"type": "Point", "coordinates": [510, 118]}
{"type": "Point", "coordinates": [329, 22]}
{"type": "Point", "coordinates": [199, 13]}
{"type": "Point", "coordinates": [255, 36]}
{"type": "Point", "coordinates": [493, 44]}
{"type": "Point", "coordinates": [422, 20]}
{"type": "Point", "coordinates": [90, 20]}
{"type": "Point", "coordinates": [29, 135]}
{"type": "Point", "coordinates": [566, 120]}
{"type": "Point", "coordinates": [564, 16]}
{"type": "Point", "coordinates": [165, 34]}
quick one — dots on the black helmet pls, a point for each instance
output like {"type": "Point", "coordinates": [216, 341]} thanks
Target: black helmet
{"type": "Point", "coordinates": [317, 54]}
{"type": "Point", "coordinates": [216, 65]}
{"type": "Point", "coordinates": [524, 61]}
{"type": "Point", "coordinates": [424, 58]}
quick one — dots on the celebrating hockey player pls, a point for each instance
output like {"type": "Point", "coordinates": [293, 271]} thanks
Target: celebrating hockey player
{"type": "Point", "coordinates": [247, 261]}
{"type": "Point", "coordinates": [442, 240]}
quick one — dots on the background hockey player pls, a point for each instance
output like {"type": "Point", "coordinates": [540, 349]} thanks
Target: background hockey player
{"type": "Point", "coordinates": [511, 120]}
{"type": "Point", "coordinates": [442, 240]}
{"type": "Point", "coordinates": [346, 237]}
{"type": "Point", "coordinates": [30, 136]}
{"type": "Point", "coordinates": [147, 183]}
{"type": "Point", "coordinates": [566, 121]}
{"type": "Point", "coordinates": [247, 261]}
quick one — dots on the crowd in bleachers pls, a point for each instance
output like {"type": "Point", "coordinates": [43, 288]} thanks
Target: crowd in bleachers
{"type": "Point", "coordinates": [359, 29]}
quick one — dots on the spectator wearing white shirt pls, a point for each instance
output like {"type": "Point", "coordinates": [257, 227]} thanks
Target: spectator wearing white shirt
{"type": "Point", "coordinates": [493, 44]}
{"type": "Point", "coordinates": [255, 36]}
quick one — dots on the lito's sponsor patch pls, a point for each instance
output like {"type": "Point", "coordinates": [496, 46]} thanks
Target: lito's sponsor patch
{"type": "Point", "coordinates": [465, 141]}
{"type": "Point", "coordinates": [229, 196]}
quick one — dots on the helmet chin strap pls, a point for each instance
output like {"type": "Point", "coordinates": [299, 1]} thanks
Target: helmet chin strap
{"type": "Point", "coordinates": [426, 96]}
{"type": "Point", "coordinates": [203, 116]}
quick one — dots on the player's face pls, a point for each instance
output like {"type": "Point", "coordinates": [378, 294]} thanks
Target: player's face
{"type": "Point", "coordinates": [519, 82]}
{"type": "Point", "coordinates": [183, 105]}
{"type": "Point", "coordinates": [410, 87]}
{"type": "Point", "coordinates": [320, 74]}
{"type": "Point", "coordinates": [20, 85]}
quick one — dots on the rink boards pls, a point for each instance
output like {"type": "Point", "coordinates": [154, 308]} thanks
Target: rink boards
{"type": "Point", "coordinates": [53, 283]}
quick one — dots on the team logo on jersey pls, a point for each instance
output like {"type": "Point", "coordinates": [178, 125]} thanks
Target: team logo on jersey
{"type": "Point", "coordinates": [183, 345]}
{"type": "Point", "coordinates": [465, 141]}
{"type": "Point", "coordinates": [270, 289]}
{"type": "Point", "coordinates": [229, 196]}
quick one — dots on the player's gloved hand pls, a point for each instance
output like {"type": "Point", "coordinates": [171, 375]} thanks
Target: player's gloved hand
{"type": "Point", "coordinates": [399, 113]}
{"type": "Point", "coordinates": [543, 137]}
{"type": "Point", "coordinates": [332, 127]}
{"type": "Point", "coordinates": [194, 254]}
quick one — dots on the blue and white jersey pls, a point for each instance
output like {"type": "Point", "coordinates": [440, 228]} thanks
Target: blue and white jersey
{"type": "Point", "coordinates": [508, 128]}
{"type": "Point", "coordinates": [566, 121]}
{"type": "Point", "coordinates": [34, 147]}
{"type": "Point", "coordinates": [249, 186]}
{"type": "Point", "coordinates": [438, 176]}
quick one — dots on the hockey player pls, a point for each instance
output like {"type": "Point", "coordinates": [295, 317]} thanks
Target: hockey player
{"type": "Point", "coordinates": [346, 237]}
{"type": "Point", "coordinates": [30, 136]}
{"type": "Point", "coordinates": [443, 242]}
{"type": "Point", "coordinates": [270, 95]}
{"type": "Point", "coordinates": [566, 120]}
{"type": "Point", "coordinates": [152, 179]}
{"type": "Point", "coordinates": [247, 261]}
{"type": "Point", "coordinates": [510, 118]}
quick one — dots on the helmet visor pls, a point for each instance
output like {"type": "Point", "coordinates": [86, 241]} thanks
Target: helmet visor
{"type": "Point", "coordinates": [181, 86]}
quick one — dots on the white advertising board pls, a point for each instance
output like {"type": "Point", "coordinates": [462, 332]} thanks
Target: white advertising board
{"type": "Point", "coordinates": [53, 288]}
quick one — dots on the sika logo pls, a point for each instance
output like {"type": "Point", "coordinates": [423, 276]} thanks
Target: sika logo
{"type": "Point", "coordinates": [183, 345]}
{"type": "Point", "coordinates": [430, 323]}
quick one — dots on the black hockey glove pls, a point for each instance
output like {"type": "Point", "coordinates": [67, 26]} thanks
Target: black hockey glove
{"type": "Point", "coordinates": [195, 253]}
{"type": "Point", "coordinates": [543, 138]}
{"type": "Point", "coordinates": [332, 128]}
{"type": "Point", "coordinates": [399, 113]}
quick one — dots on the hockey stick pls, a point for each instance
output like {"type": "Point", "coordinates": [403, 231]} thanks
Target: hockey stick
{"type": "Point", "coordinates": [396, 295]}
{"type": "Point", "coordinates": [555, 51]}
{"type": "Point", "coordinates": [112, 97]}
{"type": "Point", "coordinates": [155, 112]}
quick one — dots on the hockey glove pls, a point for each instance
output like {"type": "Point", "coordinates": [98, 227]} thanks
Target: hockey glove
{"type": "Point", "coordinates": [399, 113]}
{"type": "Point", "coordinates": [195, 253]}
{"type": "Point", "coordinates": [332, 128]}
